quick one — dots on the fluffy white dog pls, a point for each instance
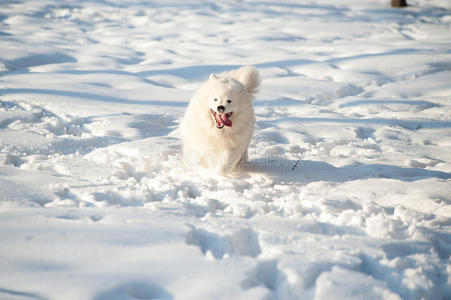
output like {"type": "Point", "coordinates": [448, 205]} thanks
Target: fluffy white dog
{"type": "Point", "coordinates": [219, 121]}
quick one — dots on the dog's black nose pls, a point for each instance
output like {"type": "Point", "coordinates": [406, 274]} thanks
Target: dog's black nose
{"type": "Point", "coordinates": [221, 108]}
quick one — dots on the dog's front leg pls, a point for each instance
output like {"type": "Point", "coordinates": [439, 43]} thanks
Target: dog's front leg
{"type": "Point", "coordinates": [228, 161]}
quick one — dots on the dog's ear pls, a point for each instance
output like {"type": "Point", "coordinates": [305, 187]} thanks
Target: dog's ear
{"type": "Point", "coordinates": [212, 77]}
{"type": "Point", "coordinates": [250, 77]}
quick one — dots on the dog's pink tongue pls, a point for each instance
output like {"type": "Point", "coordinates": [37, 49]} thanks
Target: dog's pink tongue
{"type": "Point", "coordinates": [225, 120]}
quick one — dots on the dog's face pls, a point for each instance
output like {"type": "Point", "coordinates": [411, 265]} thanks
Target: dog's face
{"type": "Point", "coordinates": [225, 97]}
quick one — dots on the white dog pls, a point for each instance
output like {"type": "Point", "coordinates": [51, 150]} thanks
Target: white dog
{"type": "Point", "coordinates": [219, 121]}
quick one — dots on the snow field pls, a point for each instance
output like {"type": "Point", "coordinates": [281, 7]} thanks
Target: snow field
{"type": "Point", "coordinates": [346, 194]}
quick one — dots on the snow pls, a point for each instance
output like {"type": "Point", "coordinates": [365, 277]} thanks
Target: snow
{"type": "Point", "coordinates": [347, 192]}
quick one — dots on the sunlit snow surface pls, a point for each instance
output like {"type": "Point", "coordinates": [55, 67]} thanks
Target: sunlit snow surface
{"type": "Point", "coordinates": [348, 187]}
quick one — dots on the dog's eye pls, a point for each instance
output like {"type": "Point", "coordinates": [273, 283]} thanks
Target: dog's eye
{"type": "Point", "coordinates": [215, 99]}
{"type": "Point", "coordinates": [229, 101]}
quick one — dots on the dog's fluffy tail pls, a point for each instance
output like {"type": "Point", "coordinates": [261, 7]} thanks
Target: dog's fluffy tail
{"type": "Point", "coordinates": [249, 76]}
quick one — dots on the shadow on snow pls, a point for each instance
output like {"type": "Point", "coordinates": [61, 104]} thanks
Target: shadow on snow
{"type": "Point", "coordinates": [307, 171]}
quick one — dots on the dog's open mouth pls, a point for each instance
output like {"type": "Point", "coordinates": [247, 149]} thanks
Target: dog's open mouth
{"type": "Point", "coordinates": [222, 119]}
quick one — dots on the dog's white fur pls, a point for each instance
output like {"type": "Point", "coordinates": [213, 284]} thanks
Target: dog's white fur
{"type": "Point", "coordinates": [205, 144]}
